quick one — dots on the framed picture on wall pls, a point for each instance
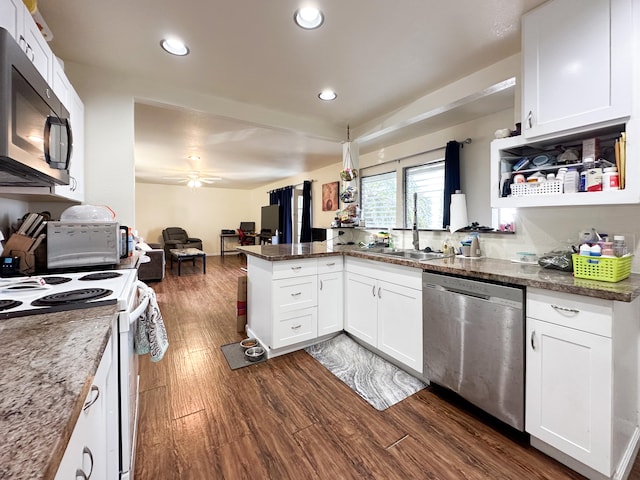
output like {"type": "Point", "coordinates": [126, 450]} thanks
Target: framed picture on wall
{"type": "Point", "coordinates": [330, 196]}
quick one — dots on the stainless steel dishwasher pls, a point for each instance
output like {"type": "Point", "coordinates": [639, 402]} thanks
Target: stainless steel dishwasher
{"type": "Point", "coordinates": [474, 343]}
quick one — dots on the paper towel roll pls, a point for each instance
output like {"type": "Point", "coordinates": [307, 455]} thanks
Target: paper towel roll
{"type": "Point", "coordinates": [458, 212]}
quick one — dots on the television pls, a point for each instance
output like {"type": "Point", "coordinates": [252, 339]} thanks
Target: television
{"type": "Point", "coordinates": [270, 218]}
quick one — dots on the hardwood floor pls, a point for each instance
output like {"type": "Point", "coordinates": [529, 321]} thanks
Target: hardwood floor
{"type": "Point", "coordinates": [289, 418]}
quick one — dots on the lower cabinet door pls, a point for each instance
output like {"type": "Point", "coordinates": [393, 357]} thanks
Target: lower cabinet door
{"type": "Point", "coordinates": [295, 327]}
{"type": "Point", "coordinates": [361, 307]}
{"type": "Point", "coordinates": [568, 392]}
{"type": "Point", "coordinates": [330, 307]}
{"type": "Point", "coordinates": [400, 323]}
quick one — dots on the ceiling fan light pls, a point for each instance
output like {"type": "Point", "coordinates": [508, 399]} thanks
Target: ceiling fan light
{"type": "Point", "coordinates": [327, 95]}
{"type": "Point", "coordinates": [194, 183]}
{"type": "Point", "coordinates": [174, 47]}
{"type": "Point", "coordinates": [308, 18]}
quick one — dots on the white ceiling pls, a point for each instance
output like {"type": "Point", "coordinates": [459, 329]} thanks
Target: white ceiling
{"type": "Point", "coordinates": [378, 55]}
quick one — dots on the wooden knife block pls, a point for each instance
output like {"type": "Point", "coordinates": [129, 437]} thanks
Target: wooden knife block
{"type": "Point", "coordinates": [18, 246]}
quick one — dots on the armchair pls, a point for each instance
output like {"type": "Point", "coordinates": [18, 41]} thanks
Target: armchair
{"type": "Point", "coordinates": [176, 237]}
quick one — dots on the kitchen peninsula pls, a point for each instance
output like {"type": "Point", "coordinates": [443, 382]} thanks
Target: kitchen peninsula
{"type": "Point", "coordinates": [581, 336]}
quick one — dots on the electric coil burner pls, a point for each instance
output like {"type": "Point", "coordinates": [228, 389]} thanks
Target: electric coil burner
{"type": "Point", "coordinates": [7, 304]}
{"type": "Point", "coordinates": [100, 276]}
{"type": "Point", "coordinates": [71, 296]}
{"type": "Point", "coordinates": [56, 280]}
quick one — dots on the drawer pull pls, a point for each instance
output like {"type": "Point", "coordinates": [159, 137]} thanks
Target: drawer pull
{"type": "Point", "coordinates": [530, 119]}
{"type": "Point", "coordinates": [331, 264]}
{"type": "Point", "coordinates": [373, 290]}
{"type": "Point", "coordinates": [80, 472]}
{"type": "Point", "coordinates": [296, 327]}
{"type": "Point", "coordinates": [533, 339]}
{"type": "Point", "coordinates": [96, 390]}
{"type": "Point", "coordinates": [320, 284]}
{"type": "Point", "coordinates": [564, 309]}
{"type": "Point", "coordinates": [296, 268]}
{"type": "Point", "coordinates": [379, 292]}
{"type": "Point", "coordinates": [296, 294]}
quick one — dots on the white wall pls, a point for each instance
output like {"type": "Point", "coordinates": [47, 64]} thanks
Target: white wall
{"type": "Point", "coordinates": [202, 212]}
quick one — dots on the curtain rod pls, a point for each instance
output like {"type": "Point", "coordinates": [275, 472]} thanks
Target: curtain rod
{"type": "Point", "coordinates": [462, 143]}
{"type": "Point", "coordinates": [290, 186]}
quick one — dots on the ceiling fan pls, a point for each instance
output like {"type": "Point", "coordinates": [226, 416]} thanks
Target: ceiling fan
{"type": "Point", "coordinates": [194, 179]}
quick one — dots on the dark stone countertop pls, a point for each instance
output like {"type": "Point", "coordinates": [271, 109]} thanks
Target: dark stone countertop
{"type": "Point", "coordinates": [491, 269]}
{"type": "Point", "coordinates": [48, 365]}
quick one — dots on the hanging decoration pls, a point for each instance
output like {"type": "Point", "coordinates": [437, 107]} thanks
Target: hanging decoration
{"type": "Point", "coordinates": [348, 174]}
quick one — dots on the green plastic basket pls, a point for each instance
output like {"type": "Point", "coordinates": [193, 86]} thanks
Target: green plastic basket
{"type": "Point", "coordinates": [606, 269]}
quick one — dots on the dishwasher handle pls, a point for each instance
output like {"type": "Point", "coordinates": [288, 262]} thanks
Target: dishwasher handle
{"type": "Point", "coordinates": [468, 294]}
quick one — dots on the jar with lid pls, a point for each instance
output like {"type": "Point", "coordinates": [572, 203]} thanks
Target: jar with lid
{"type": "Point", "coordinates": [610, 179]}
{"type": "Point", "coordinates": [619, 246]}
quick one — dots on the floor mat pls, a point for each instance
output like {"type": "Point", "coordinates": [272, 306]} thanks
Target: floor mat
{"type": "Point", "coordinates": [234, 353]}
{"type": "Point", "coordinates": [379, 382]}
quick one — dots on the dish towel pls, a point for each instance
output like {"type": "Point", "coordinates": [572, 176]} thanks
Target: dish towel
{"type": "Point", "coordinates": [151, 335]}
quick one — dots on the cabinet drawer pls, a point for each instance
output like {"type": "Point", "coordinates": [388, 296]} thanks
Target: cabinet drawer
{"type": "Point", "coordinates": [295, 293]}
{"type": "Point", "coordinates": [294, 327]}
{"type": "Point", "coordinates": [295, 268]}
{"type": "Point", "coordinates": [330, 264]}
{"type": "Point", "coordinates": [593, 315]}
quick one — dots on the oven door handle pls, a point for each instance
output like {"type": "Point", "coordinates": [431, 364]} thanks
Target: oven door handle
{"type": "Point", "coordinates": [137, 312]}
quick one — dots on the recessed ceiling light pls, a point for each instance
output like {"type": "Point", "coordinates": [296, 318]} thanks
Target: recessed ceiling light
{"type": "Point", "coordinates": [174, 46]}
{"type": "Point", "coordinates": [327, 95]}
{"type": "Point", "coordinates": [308, 18]}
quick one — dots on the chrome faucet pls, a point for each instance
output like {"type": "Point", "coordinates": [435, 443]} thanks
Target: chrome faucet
{"type": "Point", "coordinates": [416, 236]}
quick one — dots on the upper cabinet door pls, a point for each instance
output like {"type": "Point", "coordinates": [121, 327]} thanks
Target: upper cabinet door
{"type": "Point", "coordinates": [576, 65]}
{"type": "Point", "coordinates": [11, 17]}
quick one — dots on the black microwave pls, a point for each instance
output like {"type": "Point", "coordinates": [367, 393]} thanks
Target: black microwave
{"type": "Point", "coordinates": [35, 133]}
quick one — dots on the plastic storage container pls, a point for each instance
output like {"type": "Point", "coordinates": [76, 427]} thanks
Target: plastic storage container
{"type": "Point", "coordinates": [606, 269]}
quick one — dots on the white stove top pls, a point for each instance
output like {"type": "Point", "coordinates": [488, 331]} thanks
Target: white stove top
{"type": "Point", "coordinates": [75, 291]}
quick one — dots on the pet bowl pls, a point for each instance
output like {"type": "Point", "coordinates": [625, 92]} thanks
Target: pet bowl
{"type": "Point", "coordinates": [249, 342]}
{"type": "Point", "coordinates": [254, 354]}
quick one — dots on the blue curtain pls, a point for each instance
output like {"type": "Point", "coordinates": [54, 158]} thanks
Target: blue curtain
{"type": "Point", "coordinates": [305, 232]}
{"type": "Point", "coordinates": [451, 178]}
{"type": "Point", "coordinates": [283, 197]}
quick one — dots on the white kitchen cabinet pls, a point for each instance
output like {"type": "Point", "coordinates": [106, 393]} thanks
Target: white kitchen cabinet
{"type": "Point", "coordinates": [330, 297]}
{"type": "Point", "coordinates": [291, 303]}
{"type": "Point", "coordinates": [361, 309]}
{"type": "Point", "coordinates": [581, 380]}
{"type": "Point", "coordinates": [12, 14]}
{"type": "Point", "coordinates": [400, 323]}
{"type": "Point", "coordinates": [577, 59]}
{"type": "Point", "coordinates": [16, 19]}
{"type": "Point", "coordinates": [95, 437]}
{"type": "Point", "coordinates": [384, 308]}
